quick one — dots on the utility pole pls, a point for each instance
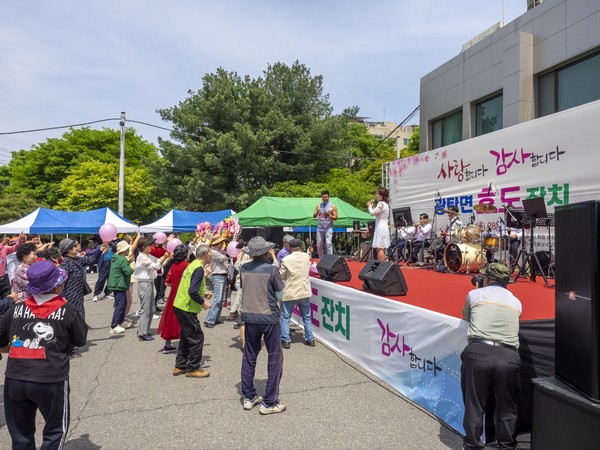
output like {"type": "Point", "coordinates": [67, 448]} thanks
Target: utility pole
{"type": "Point", "coordinates": [122, 167]}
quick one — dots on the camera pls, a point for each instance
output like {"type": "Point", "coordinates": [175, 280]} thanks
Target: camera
{"type": "Point", "coordinates": [477, 281]}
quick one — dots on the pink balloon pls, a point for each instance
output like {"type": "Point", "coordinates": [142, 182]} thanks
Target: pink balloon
{"type": "Point", "coordinates": [232, 249]}
{"type": "Point", "coordinates": [108, 232]}
{"type": "Point", "coordinates": [172, 244]}
{"type": "Point", "coordinates": [160, 237]}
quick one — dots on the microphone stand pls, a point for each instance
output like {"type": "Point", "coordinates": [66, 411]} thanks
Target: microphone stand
{"type": "Point", "coordinates": [500, 241]}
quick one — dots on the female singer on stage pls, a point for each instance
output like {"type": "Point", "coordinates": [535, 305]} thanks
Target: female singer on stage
{"type": "Point", "coordinates": [381, 236]}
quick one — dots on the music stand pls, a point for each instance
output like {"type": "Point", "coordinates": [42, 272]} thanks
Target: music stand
{"type": "Point", "coordinates": [535, 208]}
{"type": "Point", "coordinates": [402, 218]}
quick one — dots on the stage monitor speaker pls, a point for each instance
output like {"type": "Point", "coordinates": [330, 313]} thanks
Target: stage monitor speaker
{"type": "Point", "coordinates": [562, 418]}
{"type": "Point", "coordinates": [334, 268]}
{"type": "Point", "coordinates": [577, 347]}
{"type": "Point", "coordinates": [383, 278]}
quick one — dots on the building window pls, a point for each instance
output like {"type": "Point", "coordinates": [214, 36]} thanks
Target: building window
{"type": "Point", "coordinates": [569, 86]}
{"type": "Point", "coordinates": [488, 115]}
{"type": "Point", "coordinates": [447, 130]}
{"type": "Point", "coordinates": [406, 141]}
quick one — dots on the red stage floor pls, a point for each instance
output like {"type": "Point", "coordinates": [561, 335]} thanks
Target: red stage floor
{"type": "Point", "coordinates": [446, 292]}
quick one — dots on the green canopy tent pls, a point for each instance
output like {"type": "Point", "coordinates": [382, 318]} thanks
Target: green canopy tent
{"type": "Point", "coordinates": [297, 212]}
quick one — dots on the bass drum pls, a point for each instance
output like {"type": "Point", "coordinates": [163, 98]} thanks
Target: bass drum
{"type": "Point", "coordinates": [459, 257]}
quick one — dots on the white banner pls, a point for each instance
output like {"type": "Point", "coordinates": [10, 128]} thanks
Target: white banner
{"type": "Point", "coordinates": [414, 350]}
{"type": "Point", "coordinates": [556, 158]}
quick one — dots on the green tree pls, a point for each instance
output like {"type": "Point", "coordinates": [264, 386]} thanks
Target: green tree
{"type": "Point", "coordinates": [15, 206]}
{"type": "Point", "coordinates": [412, 148]}
{"type": "Point", "coordinates": [237, 137]}
{"type": "Point", "coordinates": [350, 187]}
{"type": "Point", "coordinates": [4, 177]}
{"type": "Point", "coordinates": [39, 172]}
{"type": "Point", "coordinates": [358, 175]}
{"type": "Point", "coordinates": [93, 184]}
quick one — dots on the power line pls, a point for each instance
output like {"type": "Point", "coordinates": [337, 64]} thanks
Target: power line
{"type": "Point", "coordinates": [410, 116]}
{"type": "Point", "coordinates": [57, 128]}
{"type": "Point", "coordinates": [177, 132]}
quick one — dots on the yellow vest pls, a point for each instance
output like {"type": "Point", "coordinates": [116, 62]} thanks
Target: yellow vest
{"type": "Point", "coordinates": [183, 300]}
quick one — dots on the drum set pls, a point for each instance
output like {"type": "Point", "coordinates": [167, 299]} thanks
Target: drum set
{"type": "Point", "coordinates": [469, 246]}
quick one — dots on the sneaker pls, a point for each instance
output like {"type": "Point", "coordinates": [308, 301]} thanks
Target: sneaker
{"type": "Point", "coordinates": [198, 373]}
{"type": "Point", "coordinates": [155, 317]}
{"type": "Point", "coordinates": [249, 404]}
{"type": "Point", "coordinates": [177, 371]}
{"type": "Point", "coordinates": [95, 298]}
{"type": "Point", "coordinates": [209, 325]}
{"type": "Point", "coordinates": [310, 343]}
{"type": "Point", "coordinates": [108, 297]}
{"type": "Point", "coordinates": [126, 324]}
{"type": "Point", "coordinates": [145, 337]}
{"type": "Point", "coordinates": [232, 316]}
{"type": "Point", "coordinates": [117, 330]}
{"type": "Point", "coordinates": [167, 349]}
{"type": "Point", "coordinates": [285, 344]}
{"type": "Point", "coordinates": [237, 326]}
{"type": "Point", "coordinates": [264, 410]}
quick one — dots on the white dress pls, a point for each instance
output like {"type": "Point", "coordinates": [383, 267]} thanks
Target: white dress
{"type": "Point", "coordinates": [381, 235]}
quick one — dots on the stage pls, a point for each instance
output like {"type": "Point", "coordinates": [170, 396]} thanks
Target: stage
{"type": "Point", "coordinates": [446, 292]}
{"type": "Point", "coordinates": [414, 342]}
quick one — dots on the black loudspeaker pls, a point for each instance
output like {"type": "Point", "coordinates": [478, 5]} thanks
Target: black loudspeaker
{"type": "Point", "coordinates": [334, 268]}
{"type": "Point", "coordinates": [371, 227]}
{"type": "Point", "coordinates": [577, 347]}
{"type": "Point", "coordinates": [383, 278]}
{"type": "Point", "coordinates": [562, 418]}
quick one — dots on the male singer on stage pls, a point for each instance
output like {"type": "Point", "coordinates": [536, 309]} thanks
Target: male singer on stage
{"type": "Point", "coordinates": [325, 213]}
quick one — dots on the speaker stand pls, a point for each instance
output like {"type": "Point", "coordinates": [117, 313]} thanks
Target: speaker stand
{"type": "Point", "coordinates": [530, 260]}
{"type": "Point", "coordinates": [365, 257]}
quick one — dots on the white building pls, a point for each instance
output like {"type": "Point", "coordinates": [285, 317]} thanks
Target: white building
{"type": "Point", "coordinates": [543, 62]}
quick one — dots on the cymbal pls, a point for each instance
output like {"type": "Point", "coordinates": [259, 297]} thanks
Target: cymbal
{"type": "Point", "coordinates": [483, 208]}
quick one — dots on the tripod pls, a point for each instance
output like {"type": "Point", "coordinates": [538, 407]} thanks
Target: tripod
{"type": "Point", "coordinates": [529, 258]}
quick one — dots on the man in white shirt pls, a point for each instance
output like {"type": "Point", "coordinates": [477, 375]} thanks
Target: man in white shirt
{"type": "Point", "coordinates": [294, 272]}
{"type": "Point", "coordinates": [422, 233]}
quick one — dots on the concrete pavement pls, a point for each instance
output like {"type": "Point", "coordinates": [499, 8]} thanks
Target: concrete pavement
{"type": "Point", "coordinates": [123, 396]}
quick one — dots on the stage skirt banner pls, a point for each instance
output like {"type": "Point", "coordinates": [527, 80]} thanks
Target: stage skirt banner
{"type": "Point", "coordinates": [414, 350]}
{"type": "Point", "coordinates": [554, 157]}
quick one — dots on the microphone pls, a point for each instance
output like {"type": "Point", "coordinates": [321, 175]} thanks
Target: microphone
{"type": "Point", "coordinates": [490, 188]}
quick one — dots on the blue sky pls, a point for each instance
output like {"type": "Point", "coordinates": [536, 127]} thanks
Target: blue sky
{"type": "Point", "coordinates": [73, 61]}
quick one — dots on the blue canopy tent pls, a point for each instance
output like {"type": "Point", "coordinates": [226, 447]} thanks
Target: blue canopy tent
{"type": "Point", "coordinates": [177, 220]}
{"type": "Point", "coordinates": [52, 221]}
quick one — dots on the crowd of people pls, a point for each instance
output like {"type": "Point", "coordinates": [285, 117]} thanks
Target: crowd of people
{"type": "Point", "coordinates": [43, 316]}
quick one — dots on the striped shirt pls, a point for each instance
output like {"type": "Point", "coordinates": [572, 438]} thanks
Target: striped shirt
{"type": "Point", "coordinates": [493, 313]}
